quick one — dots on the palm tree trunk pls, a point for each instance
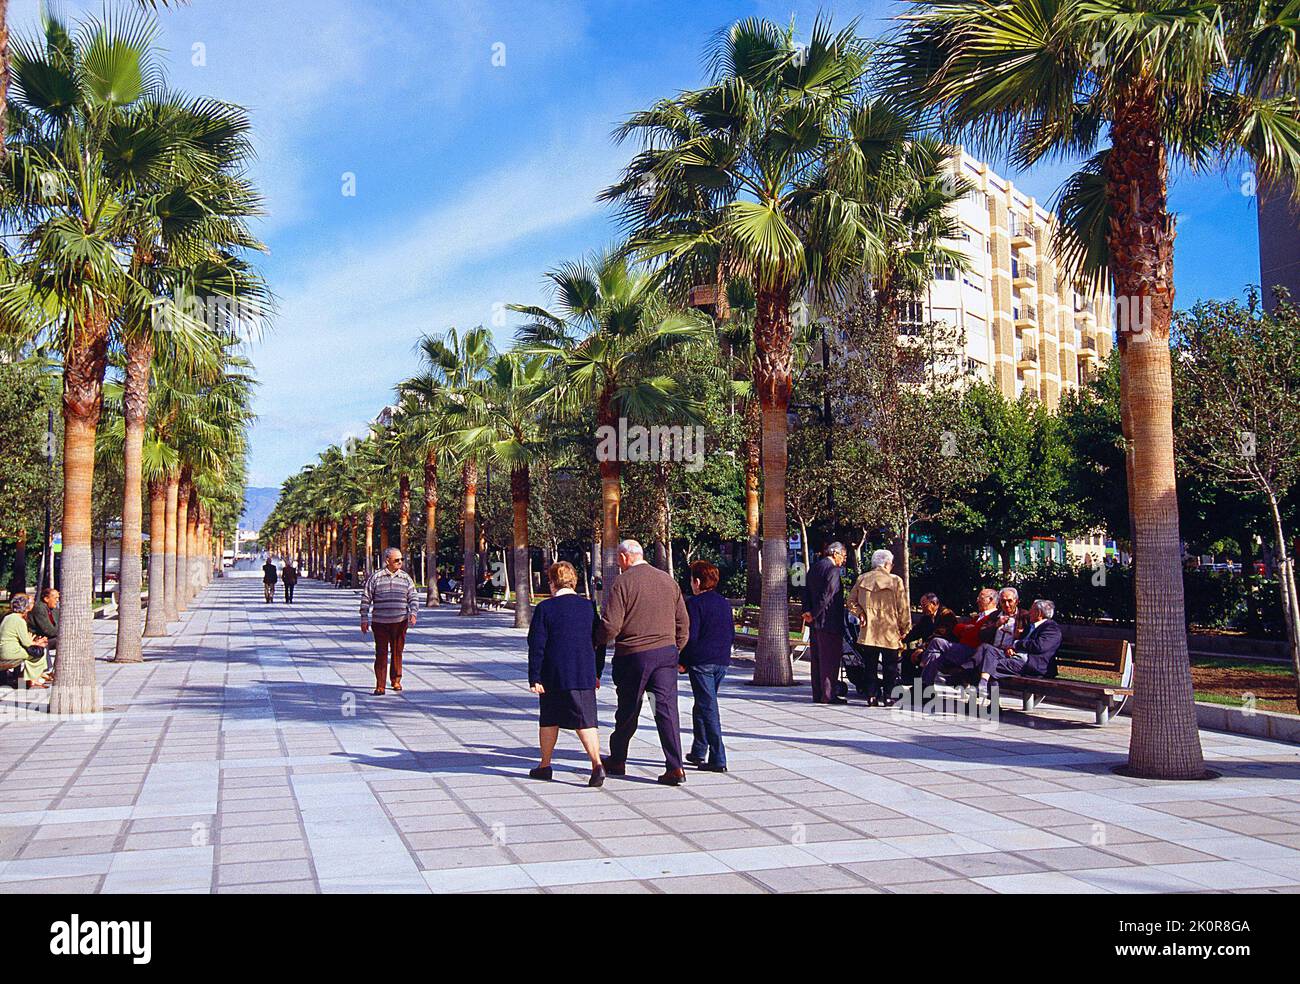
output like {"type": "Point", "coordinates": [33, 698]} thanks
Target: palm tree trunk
{"type": "Point", "coordinates": [469, 539]}
{"type": "Point", "coordinates": [168, 587]}
{"type": "Point", "coordinates": [1165, 742]}
{"type": "Point", "coordinates": [74, 690]}
{"type": "Point", "coordinates": [135, 402]}
{"type": "Point", "coordinates": [182, 538]}
{"type": "Point", "coordinates": [4, 74]}
{"type": "Point", "coordinates": [773, 335]}
{"type": "Point", "coordinates": [520, 493]}
{"type": "Point", "coordinates": [383, 527]}
{"type": "Point", "coordinates": [370, 543]}
{"type": "Point", "coordinates": [18, 577]}
{"type": "Point", "coordinates": [753, 468]}
{"type": "Point", "coordinates": [404, 520]}
{"type": "Point", "coordinates": [431, 599]}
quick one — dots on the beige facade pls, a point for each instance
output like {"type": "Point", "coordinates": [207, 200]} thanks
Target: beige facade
{"type": "Point", "coordinates": [1023, 324]}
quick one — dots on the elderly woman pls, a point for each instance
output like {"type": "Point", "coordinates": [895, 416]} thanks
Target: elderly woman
{"type": "Point", "coordinates": [705, 660]}
{"type": "Point", "coordinates": [565, 661]}
{"type": "Point", "coordinates": [19, 648]}
{"type": "Point", "coordinates": [879, 601]}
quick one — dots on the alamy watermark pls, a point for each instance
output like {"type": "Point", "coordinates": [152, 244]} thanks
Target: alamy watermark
{"type": "Point", "coordinates": [658, 442]}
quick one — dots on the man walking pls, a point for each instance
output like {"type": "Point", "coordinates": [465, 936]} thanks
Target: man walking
{"type": "Point", "coordinates": [646, 621]}
{"type": "Point", "coordinates": [290, 578]}
{"type": "Point", "coordinates": [823, 612]}
{"type": "Point", "coordinates": [268, 580]}
{"type": "Point", "coordinates": [389, 601]}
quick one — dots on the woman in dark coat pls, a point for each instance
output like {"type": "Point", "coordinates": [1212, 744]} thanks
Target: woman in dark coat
{"type": "Point", "coordinates": [564, 667]}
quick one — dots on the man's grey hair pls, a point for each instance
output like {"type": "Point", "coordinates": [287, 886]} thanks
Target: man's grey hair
{"type": "Point", "coordinates": [1048, 608]}
{"type": "Point", "coordinates": [835, 547]}
{"type": "Point", "coordinates": [1014, 593]}
{"type": "Point", "coordinates": [984, 593]}
{"type": "Point", "coordinates": [882, 557]}
{"type": "Point", "coordinates": [632, 548]}
{"type": "Point", "coordinates": [928, 597]}
{"type": "Point", "coordinates": [391, 552]}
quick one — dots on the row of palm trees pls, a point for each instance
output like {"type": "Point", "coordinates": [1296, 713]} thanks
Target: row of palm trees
{"type": "Point", "coordinates": [125, 207]}
{"type": "Point", "coordinates": [803, 165]}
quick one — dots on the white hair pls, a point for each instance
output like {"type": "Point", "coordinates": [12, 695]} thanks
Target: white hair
{"type": "Point", "coordinates": [1014, 593]}
{"type": "Point", "coordinates": [882, 558]}
{"type": "Point", "coordinates": [390, 552]}
{"type": "Point", "coordinates": [632, 548]}
{"type": "Point", "coordinates": [1048, 608]}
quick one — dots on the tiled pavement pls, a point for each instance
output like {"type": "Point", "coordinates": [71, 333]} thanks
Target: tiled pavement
{"type": "Point", "coordinates": [247, 755]}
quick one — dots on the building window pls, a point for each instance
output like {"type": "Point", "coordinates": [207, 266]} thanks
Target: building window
{"type": "Point", "coordinates": [945, 271]}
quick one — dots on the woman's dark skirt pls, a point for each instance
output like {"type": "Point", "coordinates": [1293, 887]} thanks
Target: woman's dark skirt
{"type": "Point", "coordinates": [572, 710]}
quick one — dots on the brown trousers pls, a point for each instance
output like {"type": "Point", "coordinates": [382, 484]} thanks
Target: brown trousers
{"type": "Point", "coordinates": [388, 635]}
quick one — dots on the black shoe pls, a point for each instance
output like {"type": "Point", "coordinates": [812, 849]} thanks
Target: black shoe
{"type": "Point", "coordinates": [839, 700]}
{"type": "Point", "coordinates": [710, 767]}
{"type": "Point", "coordinates": [694, 759]}
{"type": "Point", "coordinates": [597, 777]}
{"type": "Point", "coordinates": [674, 778]}
{"type": "Point", "coordinates": [545, 774]}
{"type": "Point", "coordinates": [613, 768]}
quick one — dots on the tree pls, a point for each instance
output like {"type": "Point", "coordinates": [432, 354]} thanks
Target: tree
{"type": "Point", "coordinates": [1239, 367]}
{"type": "Point", "coordinates": [73, 98]}
{"type": "Point", "coordinates": [600, 350]}
{"type": "Point", "coordinates": [1208, 81]}
{"type": "Point", "coordinates": [760, 166]}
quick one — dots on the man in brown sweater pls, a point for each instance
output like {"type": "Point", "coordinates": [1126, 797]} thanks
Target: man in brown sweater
{"type": "Point", "coordinates": [645, 619]}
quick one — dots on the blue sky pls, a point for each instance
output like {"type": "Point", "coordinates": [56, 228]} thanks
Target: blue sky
{"type": "Point", "coordinates": [471, 178]}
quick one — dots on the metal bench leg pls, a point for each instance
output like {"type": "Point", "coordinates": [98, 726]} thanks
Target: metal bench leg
{"type": "Point", "coordinates": [1103, 712]}
{"type": "Point", "coordinates": [1030, 700]}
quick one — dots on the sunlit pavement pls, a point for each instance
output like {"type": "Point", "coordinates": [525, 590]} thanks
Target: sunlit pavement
{"type": "Point", "coordinates": [247, 755]}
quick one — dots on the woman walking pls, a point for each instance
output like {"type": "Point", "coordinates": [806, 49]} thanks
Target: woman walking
{"type": "Point", "coordinates": [879, 601]}
{"type": "Point", "coordinates": [19, 649]}
{"type": "Point", "coordinates": [705, 660]}
{"type": "Point", "coordinates": [564, 667]}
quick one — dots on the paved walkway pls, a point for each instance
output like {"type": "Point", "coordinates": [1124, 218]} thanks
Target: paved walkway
{"type": "Point", "coordinates": [247, 755]}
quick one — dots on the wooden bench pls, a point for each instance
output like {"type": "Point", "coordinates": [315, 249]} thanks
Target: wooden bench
{"type": "Point", "coordinates": [11, 672]}
{"type": "Point", "coordinates": [748, 621]}
{"type": "Point", "coordinates": [1109, 657]}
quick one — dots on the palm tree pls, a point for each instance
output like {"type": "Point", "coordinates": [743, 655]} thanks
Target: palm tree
{"type": "Point", "coordinates": [72, 208]}
{"type": "Point", "coordinates": [510, 433]}
{"type": "Point", "coordinates": [1205, 81]}
{"type": "Point", "coordinates": [613, 321]}
{"type": "Point", "coordinates": [454, 365]}
{"type": "Point", "coordinates": [742, 168]}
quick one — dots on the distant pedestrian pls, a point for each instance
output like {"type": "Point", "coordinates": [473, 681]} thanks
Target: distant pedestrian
{"type": "Point", "coordinates": [565, 661]}
{"type": "Point", "coordinates": [269, 576]}
{"type": "Point", "coordinates": [646, 621]}
{"type": "Point", "coordinates": [390, 602]}
{"type": "Point", "coordinates": [705, 659]}
{"type": "Point", "coordinates": [290, 578]}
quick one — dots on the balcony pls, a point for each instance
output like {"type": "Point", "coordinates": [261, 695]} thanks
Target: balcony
{"type": "Point", "coordinates": [1025, 318]}
{"type": "Point", "coordinates": [1088, 350]}
{"type": "Point", "coordinates": [1028, 358]}
{"type": "Point", "coordinates": [1024, 276]}
{"type": "Point", "coordinates": [1022, 233]}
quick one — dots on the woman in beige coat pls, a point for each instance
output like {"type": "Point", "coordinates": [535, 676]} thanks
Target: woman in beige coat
{"type": "Point", "coordinates": [879, 601]}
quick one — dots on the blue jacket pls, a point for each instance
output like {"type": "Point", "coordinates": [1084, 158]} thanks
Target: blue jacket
{"type": "Point", "coordinates": [713, 631]}
{"type": "Point", "coordinates": [1039, 646]}
{"type": "Point", "coordinates": [562, 650]}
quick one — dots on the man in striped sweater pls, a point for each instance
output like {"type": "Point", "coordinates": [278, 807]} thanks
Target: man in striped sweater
{"type": "Point", "coordinates": [389, 602]}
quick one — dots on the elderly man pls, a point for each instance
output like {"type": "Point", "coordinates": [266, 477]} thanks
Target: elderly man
{"type": "Point", "coordinates": [390, 602]}
{"type": "Point", "coordinates": [958, 653]}
{"type": "Point", "coordinates": [1033, 654]}
{"type": "Point", "coordinates": [823, 612]}
{"type": "Point", "coordinates": [44, 619]}
{"type": "Point", "coordinates": [645, 618]}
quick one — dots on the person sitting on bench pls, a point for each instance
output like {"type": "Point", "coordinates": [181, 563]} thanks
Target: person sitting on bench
{"type": "Point", "coordinates": [943, 656]}
{"type": "Point", "coordinates": [936, 622]}
{"type": "Point", "coordinates": [1034, 654]}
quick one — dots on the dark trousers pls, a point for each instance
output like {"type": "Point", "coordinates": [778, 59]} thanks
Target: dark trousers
{"type": "Point", "coordinates": [388, 635]}
{"type": "Point", "coordinates": [634, 674]}
{"type": "Point", "coordinates": [942, 656]}
{"type": "Point", "coordinates": [997, 664]}
{"type": "Point", "coordinates": [288, 592]}
{"type": "Point", "coordinates": [872, 657]}
{"type": "Point", "coordinates": [826, 651]}
{"type": "Point", "coordinates": [705, 720]}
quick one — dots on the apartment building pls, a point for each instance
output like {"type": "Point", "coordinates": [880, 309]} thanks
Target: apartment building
{"type": "Point", "coordinates": [1023, 324]}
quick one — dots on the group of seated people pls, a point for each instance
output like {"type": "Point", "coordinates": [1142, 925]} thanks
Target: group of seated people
{"type": "Point", "coordinates": [999, 640]}
{"type": "Point", "coordinates": [27, 635]}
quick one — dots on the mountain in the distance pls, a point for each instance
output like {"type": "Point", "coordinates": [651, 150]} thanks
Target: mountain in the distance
{"type": "Point", "coordinates": [258, 504]}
